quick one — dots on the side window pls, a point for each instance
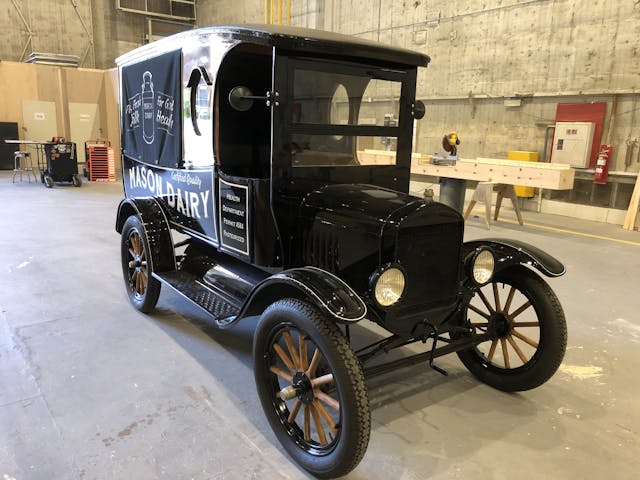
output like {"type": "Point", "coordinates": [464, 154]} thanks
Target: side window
{"type": "Point", "coordinates": [197, 108]}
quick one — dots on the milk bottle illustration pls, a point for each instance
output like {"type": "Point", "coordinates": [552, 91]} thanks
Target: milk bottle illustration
{"type": "Point", "coordinates": [147, 107]}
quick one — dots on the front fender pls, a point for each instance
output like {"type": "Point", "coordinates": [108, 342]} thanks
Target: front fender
{"type": "Point", "coordinates": [156, 228]}
{"type": "Point", "coordinates": [513, 252]}
{"type": "Point", "coordinates": [319, 287]}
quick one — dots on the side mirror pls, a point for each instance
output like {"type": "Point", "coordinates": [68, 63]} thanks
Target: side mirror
{"type": "Point", "coordinates": [418, 109]}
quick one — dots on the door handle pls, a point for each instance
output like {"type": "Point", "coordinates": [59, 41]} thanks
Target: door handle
{"type": "Point", "coordinates": [197, 74]}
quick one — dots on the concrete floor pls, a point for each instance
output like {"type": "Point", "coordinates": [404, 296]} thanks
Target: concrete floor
{"type": "Point", "coordinates": [92, 389]}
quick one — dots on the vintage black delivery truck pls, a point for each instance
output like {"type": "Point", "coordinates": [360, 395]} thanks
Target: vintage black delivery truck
{"type": "Point", "coordinates": [251, 189]}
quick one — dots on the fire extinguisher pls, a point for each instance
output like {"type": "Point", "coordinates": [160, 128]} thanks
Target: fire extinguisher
{"type": "Point", "coordinates": [602, 164]}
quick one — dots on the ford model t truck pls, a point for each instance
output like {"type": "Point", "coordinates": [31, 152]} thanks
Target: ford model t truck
{"type": "Point", "coordinates": [251, 190]}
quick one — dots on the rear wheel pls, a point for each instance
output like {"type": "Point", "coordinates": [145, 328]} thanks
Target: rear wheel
{"type": "Point", "coordinates": [311, 388]}
{"type": "Point", "coordinates": [48, 181]}
{"type": "Point", "coordinates": [77, 182]}
{"type": "Point", "coordinates": [142, 288]}
{"type": "Point", "coordinates": [527, 327]}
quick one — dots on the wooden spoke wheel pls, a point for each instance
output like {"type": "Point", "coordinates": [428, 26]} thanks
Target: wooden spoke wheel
{"type": "Point", "coordinates": [142, 288]}
{"type": "Point", "coordinates": [527, 327]}
{"type": "Point", "coordinates": [311, 388]}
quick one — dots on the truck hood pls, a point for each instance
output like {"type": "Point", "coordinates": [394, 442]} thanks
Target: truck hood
{"type": "Point", "coordinates": [367, 205]}
{"type": "Point", "coordinates": [344, 229]}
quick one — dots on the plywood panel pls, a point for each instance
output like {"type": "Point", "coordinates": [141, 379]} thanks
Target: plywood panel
{"type": "Point", "coordinates": [84, 85]}
{"type": "Point", "coordinates": [18, 82]}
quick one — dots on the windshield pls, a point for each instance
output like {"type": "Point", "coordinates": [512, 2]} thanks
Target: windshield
{"type": "Point", "coordinates": [343, 115]}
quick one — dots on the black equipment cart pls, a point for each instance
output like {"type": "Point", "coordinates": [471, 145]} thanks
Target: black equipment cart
{"type": "Point", "coordinates": [60, 163]}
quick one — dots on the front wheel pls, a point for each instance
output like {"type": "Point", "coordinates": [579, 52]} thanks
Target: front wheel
{"type": "Point", "coordinates": [527, 328]}
{"type": "Point", "coordinates": [142, 288]}
{"type": "Point", "coordinates": [76, 181]}
{"type": "Point", "coordinates": [48, 181]}
{"type": "Point", "coordinates": [312, 389]}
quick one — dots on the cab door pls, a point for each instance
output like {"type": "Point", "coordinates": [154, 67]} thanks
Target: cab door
{"type": "Point", "coordinates": [243, 144]}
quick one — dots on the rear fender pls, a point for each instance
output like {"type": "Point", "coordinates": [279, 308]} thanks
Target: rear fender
{"type": "Point", "coordinates": [509, 252]}
{"type": "Point", "coordinates": [323, 289]}
{"type": "Point", "coordinates": [156, 228]}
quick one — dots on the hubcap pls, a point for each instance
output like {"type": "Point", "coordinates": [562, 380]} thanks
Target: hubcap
{"type": "Point", "coordinates": [303, 387]}
{"type": "Point", "coordinates": [499, 324]}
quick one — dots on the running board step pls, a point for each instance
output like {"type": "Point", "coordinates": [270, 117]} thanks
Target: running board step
{"type": "Point", "coordinates": [191, 287]}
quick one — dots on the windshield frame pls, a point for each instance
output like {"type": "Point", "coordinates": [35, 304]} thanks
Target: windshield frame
{"type": "Point", "coordinates": [287, 179]}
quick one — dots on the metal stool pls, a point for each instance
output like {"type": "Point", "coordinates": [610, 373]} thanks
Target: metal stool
{"type": "Point", "coordinates": [22, 163]}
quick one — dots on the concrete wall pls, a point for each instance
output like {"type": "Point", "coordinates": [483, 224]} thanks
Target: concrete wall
{"type": "Point", "coordinates": [49, 26]}
{"type": "Point", "coordinates": [544, 51]}
{"type": "Point", "coordinates": [93, 30]}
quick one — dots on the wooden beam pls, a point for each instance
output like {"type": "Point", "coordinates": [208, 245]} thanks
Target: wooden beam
{"type": "Point", "coordinates": [552, 176]}
{"type": "Point", "coordinates": [632, 211]}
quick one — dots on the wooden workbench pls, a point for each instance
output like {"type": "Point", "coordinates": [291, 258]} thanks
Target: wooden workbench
{"type": "Point", "coordinates": [552, 176]}
{"type": "Point", "coordinates": [490, 173]}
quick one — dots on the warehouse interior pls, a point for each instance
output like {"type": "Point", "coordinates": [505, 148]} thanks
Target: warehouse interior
{"type": "Point", "coordinates": [91, 388]}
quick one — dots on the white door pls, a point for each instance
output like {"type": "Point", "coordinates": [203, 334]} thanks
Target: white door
{"type": "Point", "coordinates": [84, 124]}
{"type": "Point", "coordinates": [39, 121]}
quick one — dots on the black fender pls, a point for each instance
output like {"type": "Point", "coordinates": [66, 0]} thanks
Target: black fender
{"type": "Point", "coordinates": [323, 289]}
{"type": "Point", "coordinates": [156, 228]}
{"type": "Point", "coordinates": [509, 252]}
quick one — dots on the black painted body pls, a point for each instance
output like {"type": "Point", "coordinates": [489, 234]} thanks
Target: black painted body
{"type": "Point", "coordinates": [264, 228]}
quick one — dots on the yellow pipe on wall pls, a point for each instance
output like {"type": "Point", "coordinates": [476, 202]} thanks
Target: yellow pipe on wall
{"type": "Point", "coordinates": [271, 13]}
{"type": "Point", "coordinates": [288, 12]}
{"type": "Point", "coordinates": [279, 12]}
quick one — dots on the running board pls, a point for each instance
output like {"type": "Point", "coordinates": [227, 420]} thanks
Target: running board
{"type": "Point", "coordinates": [221, 308]}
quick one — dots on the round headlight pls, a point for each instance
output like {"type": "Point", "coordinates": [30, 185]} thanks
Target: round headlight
{"type": "Point", "coordinates": [389, 287]}
{"type": "Point", "coordinates": [483, 267]}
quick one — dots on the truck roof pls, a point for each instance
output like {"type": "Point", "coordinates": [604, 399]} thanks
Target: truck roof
{"type": "Point", "coordinates": [289, 38]}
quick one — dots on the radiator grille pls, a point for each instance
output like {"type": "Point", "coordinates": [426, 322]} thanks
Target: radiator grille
{"type": "Point", "coordinates": [431, 258]}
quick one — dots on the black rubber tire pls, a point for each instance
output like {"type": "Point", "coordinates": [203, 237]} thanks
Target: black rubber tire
{"type": "Point", "coordinates": [143, 297]}
{"type": "Point", "coordinates": [349, 444]}
{"type": "Point", "coordinates": [77, 182]}
{"type": "Point", "coordinates": [48, 181]}
{"type": "Point", "coordinates": [551, 342]}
